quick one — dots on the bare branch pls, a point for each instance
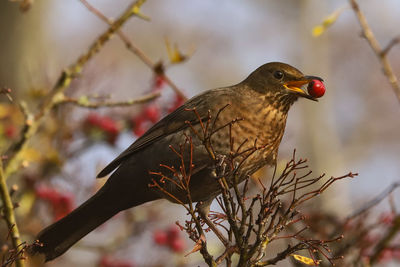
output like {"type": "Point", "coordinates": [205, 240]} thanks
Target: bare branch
{"type": "Point", "coordinates": [9, 216]}
{"type": "Point", "coordinates": [379, 52]}
{"type": "Point", "coordinates": [392, 43]}
{"type": "Point", "coordinates": [374, 201]}
{"type": "Point", "coordinates": [385, 241]}
{"type": "Point", "coordinates": [85, 103]}
{"type": "Point", "coordinates": [250, 228]}
{"type": "Point", "coordinates": [7, 92]}
{"type": "Point", "coordinates": [157, 68]}
{"type": "Point", "coordinates": [63, 82]}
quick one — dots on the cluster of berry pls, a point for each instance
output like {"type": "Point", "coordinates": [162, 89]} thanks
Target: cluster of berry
{"type": "Point", "coordinates": [170, 238]}
{"type": "Point", "coordinates": [61, 203]}
{"type": "Point", "coordinates": [105, 128]}
{"type": "Point", "coordinates": [152, 112]}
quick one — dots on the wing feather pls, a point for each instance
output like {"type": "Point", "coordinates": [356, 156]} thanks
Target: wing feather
{"type": "Point", "coordinates": [172, 123]}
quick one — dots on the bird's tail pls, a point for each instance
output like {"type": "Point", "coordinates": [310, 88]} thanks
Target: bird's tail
{"type": "Point", "coordinates": [60, 236]}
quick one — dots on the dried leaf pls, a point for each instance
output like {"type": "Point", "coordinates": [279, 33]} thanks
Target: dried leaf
{"type": "Point", "coordinates": [305, 260]}
{"type": "Point", "coordinates": [174, 55]}
{"type": "Point", "coordinates": [198, 245]}
{"type": "Point", "coordinates": [327, 22]}
{"type": "Point", "coordinates": [318, 30]}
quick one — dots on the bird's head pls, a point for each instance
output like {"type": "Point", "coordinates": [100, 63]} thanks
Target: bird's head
{"type": "Point", "coordinates": [280, 81]}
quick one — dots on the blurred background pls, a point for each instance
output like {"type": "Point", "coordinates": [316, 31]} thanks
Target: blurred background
{"type": "Point", "coordinates": [354, 127]}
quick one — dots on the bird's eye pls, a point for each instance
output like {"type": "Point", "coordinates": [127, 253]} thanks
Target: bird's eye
{"type": "Point", "coordinates": [278, 74]}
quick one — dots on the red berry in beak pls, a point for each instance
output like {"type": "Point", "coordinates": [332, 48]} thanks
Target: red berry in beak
{"type": "Point", "coordinates": [316, 88]}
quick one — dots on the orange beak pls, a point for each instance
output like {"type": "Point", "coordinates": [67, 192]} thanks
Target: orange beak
{"type": "Point", "coordinates": [295, 86]}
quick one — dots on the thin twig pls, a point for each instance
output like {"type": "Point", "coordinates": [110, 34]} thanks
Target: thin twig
{"type": "Point", "coordinates": [374, 201]}
{"type": "Point", "coordinates": [7, 92]}
{"type": "Point", "coordinates": [248, 235]}
{"type": "Point", "coordinates": [9, 216]}
{"type": "Point", "coordinates": [392, 43]}
{"type": "Point", "coordinates": [86, 104]}
{"type": "Point", "coordinates": [156, 68]}
{"type": "Point", "coordinates": [379, 52]}
{"type": "Point", "coordinates": [63, 82]}
{"type": "Point", "coordinates": [385, 241]}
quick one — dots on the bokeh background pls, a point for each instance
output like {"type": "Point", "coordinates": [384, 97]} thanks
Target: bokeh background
{"type": "Point", "coordinates": [354, 127]}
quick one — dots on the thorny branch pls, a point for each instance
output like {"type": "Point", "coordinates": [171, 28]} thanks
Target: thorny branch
{"type": "Point", "coordinates": [379, 52]}
{"type": "Point", "coordinates": [249, 222]}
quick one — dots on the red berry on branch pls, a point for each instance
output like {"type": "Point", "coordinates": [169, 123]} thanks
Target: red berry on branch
{"type": "Point", "coordinates": [159, 82]}
{"type": "Point", "coordinates": [160, 237]}
{"type": "Point", "coordinates": [138, 125]}
{"type": "Point", "coordinates": [107, 261]}
{"type": "Point", "coordinates": [178, 101]}
{"type": "Point", "coordinates": [61, 203]}
{"type": "Point", "coordinates": [175, 242]}
{"type": "Point", "coordinates": [139, 131]}
{"type": "Point", "coordinates": [316, 88]}
{"type": "Point", "coordinates": [152, 113]}
{"type": "Point", "coordinates": [44, 192]}
{"type": "Point", "coordinates": [177, 245]}
{"type": "Point", "coordinates": [386, 255]}
{"type": "Point", "coordinates": [387, 218]}
{"type": "Point", "coordinates": [105, 124]}
{"type": "Point", "coordinates": [396, 253]}
{"type": "Point", "coordinates": [108, 125]}
{"type": "Point", "coordinates": [93, 119]}
{"type": "Point", "coordinates": [173, 232]}
{"type": "Point", "coordinates": [11, 131]}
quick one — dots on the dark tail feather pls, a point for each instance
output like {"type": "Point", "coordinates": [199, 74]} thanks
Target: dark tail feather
{"type": "Point", "coordinates": [60, 236]}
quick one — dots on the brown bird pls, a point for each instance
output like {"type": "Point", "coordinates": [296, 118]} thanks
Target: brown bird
{"type": "Point", "coordinates": [261, 102]}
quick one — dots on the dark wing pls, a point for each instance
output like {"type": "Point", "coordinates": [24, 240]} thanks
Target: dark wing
{"type": "Point", "coordinates": [174, 122]}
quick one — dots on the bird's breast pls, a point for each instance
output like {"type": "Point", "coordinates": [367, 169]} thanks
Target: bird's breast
{"type": "Point", "coordinates": [253, 135]}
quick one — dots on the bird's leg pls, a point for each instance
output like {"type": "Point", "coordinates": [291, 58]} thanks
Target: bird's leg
{"type": "Point", "coordinates": [203, 208]}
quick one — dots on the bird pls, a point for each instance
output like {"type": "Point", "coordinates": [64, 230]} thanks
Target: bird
{"type": "Point", "coordinates": [251, 114]}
